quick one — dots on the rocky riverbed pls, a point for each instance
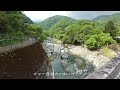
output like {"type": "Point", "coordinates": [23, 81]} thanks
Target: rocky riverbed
{"type": "Point", "coordinates": [95, 57]}
{"type": "Point", "coordinates": [75, 59]}
{"type": "Point", "coordinates": [66, 65]}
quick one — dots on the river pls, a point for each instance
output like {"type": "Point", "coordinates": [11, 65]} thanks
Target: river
{"type": "Point", "coordinates": [66, 65]}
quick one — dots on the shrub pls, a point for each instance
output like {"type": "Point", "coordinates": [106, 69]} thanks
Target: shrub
{"type": "Point", "coordinates": [98, 40]}
{"type": "Point", "coordinates": [107, 52]}
{"type": "Point", "coordinates": [91, 44]}
{"type": "Point", "coordinates": [19, 33]}
{"type": "Point", "coordinates": [66, 40]}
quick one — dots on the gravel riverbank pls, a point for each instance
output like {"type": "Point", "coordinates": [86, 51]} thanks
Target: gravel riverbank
{"type": "Point", "coordinates": [92, 56]}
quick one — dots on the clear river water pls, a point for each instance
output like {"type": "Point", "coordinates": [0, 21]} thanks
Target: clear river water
{"type": "Point", "coordinates": [66, 65]}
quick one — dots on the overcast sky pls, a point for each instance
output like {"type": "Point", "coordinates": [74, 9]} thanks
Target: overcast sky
{"type": "Point", "coordinates": [41, 15]}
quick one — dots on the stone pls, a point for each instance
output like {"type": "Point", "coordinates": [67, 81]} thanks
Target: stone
{"type": "Point", "coordinates": [49, 54]}
{"type": "Point", "coordinates": [64, 63]}
{"type": "Point", "coordinates": [64, 55]}
{"type": "Point", "coordinates": [80, 63]}
{"type": "Point", "coordinates": [119, 49]}
{"type": "Point", "coordinates": [79, 72]}
{"type": "Point", "coordinates": [62, 51]}
{"type": "Point", "coordinates": [62, 48]}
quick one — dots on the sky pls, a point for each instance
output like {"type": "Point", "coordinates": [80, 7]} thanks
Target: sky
{"type": "Point", "coordinates": [42, 15]}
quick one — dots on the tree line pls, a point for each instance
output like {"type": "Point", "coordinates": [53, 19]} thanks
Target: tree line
{"type": "Point", "coordinates": [84, 32]}
{"type": "Point", "coordinates": [16, 23]}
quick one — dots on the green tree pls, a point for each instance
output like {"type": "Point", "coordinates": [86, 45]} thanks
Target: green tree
{"type": "Point", "coordinates": [110, 28]}
{"type": "Point", "coordinates": [11, 21]}
{"type": "Point", "coordinates": [98, 40]}
{"type": "Point", "coordinates": [91, 43]}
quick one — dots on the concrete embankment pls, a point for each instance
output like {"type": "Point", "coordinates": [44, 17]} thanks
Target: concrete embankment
{"type": "Point", "coordinates": [29, 62]}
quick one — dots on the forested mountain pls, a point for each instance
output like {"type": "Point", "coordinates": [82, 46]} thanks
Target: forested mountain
{"type": "Point", "coordinates": [102, 17]}
{"type": "Point", "coordinates": [94, 33]}
{"type": "Point", "coordinates": [115, 18]}
{"type": "Point", "coordinates": [56, 20]}
{"type": "Point", "coordinates": [27, 19]}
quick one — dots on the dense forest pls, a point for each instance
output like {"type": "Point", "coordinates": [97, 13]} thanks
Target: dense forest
{"type": "Point", "coordinates": [94, 33]}
{"type": "Point", "coordinates": [16, 23]}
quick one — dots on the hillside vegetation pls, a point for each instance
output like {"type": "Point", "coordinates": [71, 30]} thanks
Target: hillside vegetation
{"type": "Point", "coordinates": [92, 33]}
{"type": "Point", "coordinates": [57, 19]}
{"type": "Point", "coordinates": [103, 19]}
{"type": "Point", "coordinates": [15, 23]}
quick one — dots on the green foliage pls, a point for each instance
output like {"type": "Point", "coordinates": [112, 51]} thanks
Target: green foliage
{"type": "Point", "coordinates": [70, 31]}
{"type": "Point", "coordinates": [98, 40]}
{"type": "Point", "coordinates": [118, 32]}
{"type": "Point", "coordinates": [115, 18]}
{"type": "Point", "coordinates": [106, 52]}
{"type": "Point", "coordinates": [66, 40]}
{"type": "Point", "coordinates": [110, 28]}
{"type": "Point", "coordinates": [12, 21]}
{"type": "Point", "coordinates": [9, 21]}
{"type": "Point", "coordinates": [15, 23]}
{"type": "Point", "coordinates": [91, 44]}
{"type": "Point", "coordinates": [36, 31]}
{"type": "Point", "coordinates": [42, 37]}
{"type": "Point", "coordinates": [19, 33]}
{"type": "Point", "coordinates": [27, 19]}
{"type": "Point", "coordinates": [102, 17]}
{"type": "Point", "coordinates": [46, 32]}
{"type": "Point", "coordinates": [58, 29]}
{"type": "Point", "coordinates": [58, 20]}
{"type": "Point", "coordinates": [79, 32]}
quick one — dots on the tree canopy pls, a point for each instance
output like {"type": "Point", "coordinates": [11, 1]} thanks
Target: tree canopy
{"type": "Point", "coordinates": [17, 23]}
{"type": "Point", "coordinates": [80, 32]}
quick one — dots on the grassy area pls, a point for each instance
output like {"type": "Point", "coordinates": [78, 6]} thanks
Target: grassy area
{"type": "Point", "coordinates": [107, 52]}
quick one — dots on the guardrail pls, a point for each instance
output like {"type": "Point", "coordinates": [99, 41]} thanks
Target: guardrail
{"type": "Point", "coordinates": [10, 43]}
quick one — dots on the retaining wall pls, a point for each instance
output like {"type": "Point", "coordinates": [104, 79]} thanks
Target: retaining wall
{"type": "Point", "coordinates": [111, 70]}
{"type": "Point", "coordinates": [24, 63]}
